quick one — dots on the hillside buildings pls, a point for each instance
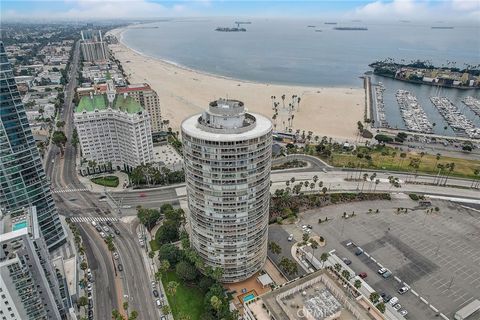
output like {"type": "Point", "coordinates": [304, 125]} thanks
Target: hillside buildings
{"type": "Point", "coordinates": [29, 287]}
{"type": "Point", "coordinates": [114, 128]}
{"type": "Point", "coordinates": [227, 154]}
{"type": "Point", "coordinates": [92, 46]}
{"type": "Point", "coordinates": [22, 179]}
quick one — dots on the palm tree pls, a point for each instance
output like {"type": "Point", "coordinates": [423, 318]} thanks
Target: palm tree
{"type": "Point", "coordinates": [346, 274]}
{"type": "Point", "coordinates": [337, 267]}
{"type": "Point", "coordinates": [324, 257]}
{"type": "Point", "coordinates": [314, 245]}
{"type": "Point", "coordinates": [274, 247]}
{"type": "Point", "coordinates": [365, 176]}
{"type": "Point", "coordinates": [451, 167]}
{"type": "Point", "coordinates": [216, 303]}
{"type": "Point", "coordinates": [376, 183]}
{"type": "Point", "coordinates": [172, 289]}
{"type": "Point", "coordinates": [283, 100]}
{"type": "Point", "coordinates": [358, 284]}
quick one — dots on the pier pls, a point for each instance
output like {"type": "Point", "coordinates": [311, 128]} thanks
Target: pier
{"type": "Point", "coordinates": [455, 119]}
{"type": "Point", "coordinates": [380, 105]}
{"type": "Point", "coordinates": [412, 112]}
{"type": "Point", "coordinates": [473, 104]}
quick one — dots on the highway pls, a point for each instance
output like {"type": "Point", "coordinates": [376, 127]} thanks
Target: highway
{"type": "Point", "coordinates": [62, 174]}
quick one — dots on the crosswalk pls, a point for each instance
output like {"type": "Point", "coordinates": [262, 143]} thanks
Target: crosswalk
{"type": "Point", "coordinates": [69, 190]}
{"type": "Point", "coordinates": [96, 219]}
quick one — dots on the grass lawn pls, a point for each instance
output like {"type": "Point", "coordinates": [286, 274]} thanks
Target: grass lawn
{"type": "Point", "coordinates": [154, 245]}
{"type": "Point", "coordinates": [108, 181]}
{"type": "Point", "coordinates": [188, 300]}
{"type": "Point", "coordinates": [428, 163]}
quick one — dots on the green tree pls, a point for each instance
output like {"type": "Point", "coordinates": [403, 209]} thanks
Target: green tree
{"type": "Point", "coordinates": [166, 309]}
{"type": "Point", "coordinates": [314, 246]}
{"type": "Point", "coordinates": [216, 303]}
{"type": "Point", "coordinates": [346, 274]}
{"type": "Point", "coordinates": [288, 266]}
{"type": "Point", "coordinates": [374, 296]}
{"type": "Point", "coordinates": [358, 284]}
{"type": "Point", "coordinates": [170, 253]}
{"type": "Point", "coordinates": [168, 232]}
{"type": "Point", "coordinates": [324, 257]}
{"type": "Point", "coordinates": [172, 289]}
{"type": "Point", "coordinates": [337, 267]}
{"type": "Point", "coordinates": [185, 271]}
{"type": "Point", "coordinates": [82, 301]}
{"type": "Point", "coordinates": [133, 315]}
{"type": "Point", "coordinates": [83, 265]}
{"type": "Point", "coordinates": [59, 139]}
{"type": "Point", "coordinates": [274, 247]}
{"type": "Point", "coordinates": [381, 307]}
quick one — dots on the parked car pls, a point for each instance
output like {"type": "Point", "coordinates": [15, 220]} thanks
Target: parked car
{"type": "Point", "coordinates": [387, 274]}
{"type": "Point", "coordinates": [94, 223]}
{"type": "Point", "coordinates": [106, 229]}
{"type": "Point", "coordinates": [116, 232]}
{"type": "Point", "coordinates": [347, 261]}
{"type": "Point", "coordinates": [115, 255]}
{"type": "Point", "coordinates": [154, 285]}
{"type": "Point", "coordinates": [99, 229]}
{"type": "Point", "coordinates": [120, 267]}
{"type": "Point", "coordinates": [155, 293]}
{"type": "Point", "coordinates": [393, 301]}
{"type": "Point", "coordinates": [403, 312]}
{"type": "Point", "coordinates": [158, 303]}
{"type": "Point", "coordinates": [387, 298]}
{"type": "Point", "coordinates": [397, 307]}
{"type": "Point", "coordinates": [109, 223]}
{"type": "Point", "coordinates": [290, 237]}
{"type": "Point", "coordinates": [309, 226]}
{"type": "Point", "coordinates": [89, 272]}
{"type": "Point", "coordinates": [103, 235]}
{"type": "Point", "coordinates": [382, 271]}
{"type": "Point", "coordinates": [362, 275]}
{"type": "Point", "coordinates": [89, 287]}
{"type": "Point", "coordinates": [359, 251]}
{"type": "Point", "coordinates": [403, 289]}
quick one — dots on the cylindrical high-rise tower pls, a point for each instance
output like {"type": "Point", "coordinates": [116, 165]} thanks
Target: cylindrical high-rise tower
{"type": "Point", "coordinates": [227, 154]}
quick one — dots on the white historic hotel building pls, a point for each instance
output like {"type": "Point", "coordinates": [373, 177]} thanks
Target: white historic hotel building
{"type": "Point", "coordinates": [114, 128]}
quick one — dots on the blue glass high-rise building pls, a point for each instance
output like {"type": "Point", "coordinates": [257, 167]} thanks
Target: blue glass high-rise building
{"type": "Point", "coordinates": [23, 182]}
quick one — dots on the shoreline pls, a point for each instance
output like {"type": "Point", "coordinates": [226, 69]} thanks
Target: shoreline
{"type": "Point", "coordinates": [326, 111]}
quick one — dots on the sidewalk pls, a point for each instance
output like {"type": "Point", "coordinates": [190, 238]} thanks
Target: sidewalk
{"type": "Point", "coordinates": [151, 268]}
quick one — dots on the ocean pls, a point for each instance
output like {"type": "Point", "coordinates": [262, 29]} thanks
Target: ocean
{"type": "Point", "coordinates": [287, 51]}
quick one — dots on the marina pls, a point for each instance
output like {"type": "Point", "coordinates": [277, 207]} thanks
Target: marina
{"type": "Point", "coordinates": [460, 124]}
{"type": "Point", "coordinates": [473, 104]}
{"type": "Point", "coordinates": [380, 106]}
{"type": "Point", "coordinates": [412, 113]}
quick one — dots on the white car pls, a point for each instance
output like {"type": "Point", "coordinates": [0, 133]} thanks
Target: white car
{"type": "Point", "coordinates": [103, 235]}
{"type": "Point", "coordinates": [106, 229]}
{"type": "Point", "coordinates": [89, 272]}
{"type": "Point", "coordinates": [403, 289]}
{"type": "Point", "coordinates": [397, 307]}
{"type": "Point", "coordinates": [403, 312]}
{"type": "Point", "coordinates": [393, 301]}
{"type": "Point", "coordinates": [382, 271]}
{"type": "Point", "coordinates": [89, 287]}
{"type": "Point", "coordinates": [304, 227]}
{"type": "Point", "coordinates": [290, 237]}
{"type": "Point", "coordinates": [115, 255]}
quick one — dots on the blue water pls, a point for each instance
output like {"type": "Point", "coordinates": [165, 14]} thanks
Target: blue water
{"type": "Point", "coordinates": [19, 225]}
{"type": "Point", "coordinates": [248, 297]}
{"type": "Point", "coordinates": [287, 52]}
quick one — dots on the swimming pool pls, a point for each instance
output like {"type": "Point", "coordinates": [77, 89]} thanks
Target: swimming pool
{"type": "Point", "coordinates": [19, 225]}
{"type": "Point", "coordinates": [249, 297]}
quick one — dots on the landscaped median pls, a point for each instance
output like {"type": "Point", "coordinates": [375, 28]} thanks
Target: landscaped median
{"type": "Point", "coordinates": [107, 181]}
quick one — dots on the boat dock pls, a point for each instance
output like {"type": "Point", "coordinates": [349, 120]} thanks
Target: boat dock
{"type": "Point", "coordinates": [412, 112]}
{"type": "Point", "coordinates": [473, 104]}
{"type": "Point", "coordinates": [455, 119]}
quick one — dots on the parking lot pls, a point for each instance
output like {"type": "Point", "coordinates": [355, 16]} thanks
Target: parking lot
{"type": "Point", "coordinates": [435, 253]}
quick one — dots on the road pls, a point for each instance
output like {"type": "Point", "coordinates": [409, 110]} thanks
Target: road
{"type": "Point", "coordinates": [62, 174]}
{"type": "Point", "coordinates": [333, 180]}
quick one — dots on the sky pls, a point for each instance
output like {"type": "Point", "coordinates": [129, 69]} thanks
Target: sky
{"type": "Point", "coordinates": [435, 10]}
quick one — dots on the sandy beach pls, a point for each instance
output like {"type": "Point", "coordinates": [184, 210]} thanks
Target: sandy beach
{"type": "Point", "coordinates": [331, 112]}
